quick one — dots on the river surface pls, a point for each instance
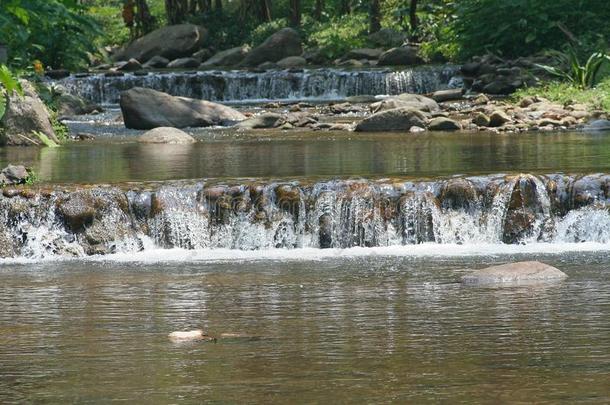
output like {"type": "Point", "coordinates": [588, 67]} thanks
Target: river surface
{"type": "Point", "coordinates": [377, 328]}
{"type": "Point", "coordinates": [290, 154]}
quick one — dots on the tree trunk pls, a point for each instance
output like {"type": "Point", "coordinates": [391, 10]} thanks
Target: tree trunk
{"type": "Point", "coordinates": [413, 21]}
{"type": "Point", "coordinates": [375, 13]}
{"type": "Point", "coordinates": [318, 9]}
{"type": "Point", "coordinates": [218, 6]}
{"type": "Point", "coordinates": [295, 13]}
{"type": "Point", "coordinates": [345, 7]}
{"type": "Point", "coordinates": [265, 10]}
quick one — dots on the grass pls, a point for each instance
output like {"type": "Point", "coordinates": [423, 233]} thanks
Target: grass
{"type": "Point", "coordinates": [597, 97]}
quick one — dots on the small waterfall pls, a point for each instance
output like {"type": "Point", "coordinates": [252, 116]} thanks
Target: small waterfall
{"type": "Point", "coordinates": [239, 86]}
{"type": "Point", "coordinates": [498, 209]}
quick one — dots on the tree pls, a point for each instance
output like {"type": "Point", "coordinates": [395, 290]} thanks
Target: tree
{"type": "Point", "coordinates": [375, 16]}
{"type": "Point", "coordinates": [318, 10]}
{"type": "Point", "coordinates": [295, 13]}
{"type": "Point", "coordinates": [413, 21]}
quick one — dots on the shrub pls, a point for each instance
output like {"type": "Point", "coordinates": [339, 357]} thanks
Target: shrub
{"type": "Point", "coordinates": [338, 36]}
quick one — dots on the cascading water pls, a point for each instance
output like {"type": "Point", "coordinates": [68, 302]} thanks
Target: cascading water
{"type": "Point", "coordinates": [240, 86]}
{"type": "Point", "coordinates": [289, 215]}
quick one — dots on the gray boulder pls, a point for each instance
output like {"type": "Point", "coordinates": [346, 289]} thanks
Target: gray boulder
{"type": "Point", "coordinates": [171, 42]}
{"type": "Point", "coordinates": [498, 118]}
{"type": "Point", "coordinates": [203, 55]}
{"type": "Point", "coordinates": [148, 109]}
{"type": "Point", "coordinates": [12, 175]}
{"type": "Point", "coordinates": [156, 62]}
{"type": "Point", "coordinates": [292, 62]}
{"type": "Point", "coordinates": [415, 101]}
{"type": "Point", "coordinates": [443, 124]}
{"type": "Point", "coordinates": [286, 42]}
{"type": "Point", "coordinates": [515, 273]}
{"type": "Point", "coordinates": [364, 53]}
{"type": "Point", "coordinates": [398, 119]}
{"type": "Point", "coordinates": [401, 56]}
{"type": "Point", "coordinates": [388, 38]}
{"type": "Point", "coordinates": [183, 63]}
{"type": "Point", "coordinates": [69, 105]}
{"type": "Point", "coordinates": [266, 120]}
{"type": "Point", "coordinates": [597, 125]}
{"type": "Point", "coordinates": [24, 116]}
{"type": "Point", "coordinates": [447, 95]}
{"type": "Point", "coordinates": [229, 57]}
{"type": "Point", "coordinates": [128, 66]}
{"type": "Point", "coordinates": [166, 135]}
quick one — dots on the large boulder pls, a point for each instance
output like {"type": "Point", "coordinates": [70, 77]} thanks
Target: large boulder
{"type": "Point", "coordinates": [69, 105]}
{"type": "Point", "coordinates": [25, 116]}
{"type": "Point", "coordinates": [401, 56]}
{"type": "Point", "coordinates": [171, 42]}
{"type": "Point", "coordinates": [398, 119]}
{"type": "Point", "coordinates": [286, 42]}
{"type": "Point", "coordinates": [364, 53]}
{"type": "Point", "coordinates": [228, 57]}
{"type": "Point", "coordinates": [292, 62]}
{"type": "Point", "coordinates": [415, 101]}
{"type": "Point", "coordinates": [148, 109]}
{"type": "Point", "coordinates": [166, 135]}
{"type": "Point", "coordinates": [515, 273]}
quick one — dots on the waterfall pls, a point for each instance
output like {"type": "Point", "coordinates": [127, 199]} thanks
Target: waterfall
{"type": "Point", "coordinates": [239, 86]}
{"type": "Point", "coordinates": [499, 209]}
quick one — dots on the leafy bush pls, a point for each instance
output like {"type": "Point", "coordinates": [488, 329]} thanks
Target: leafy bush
{"type": "Point", "coordinates": [572, 70]}
{"type": "Point", "coordinates": [524, 27]}
{"type": "Point", "coordinates": [56, 32]}
{"type": "Point", "coordinates": [338, 36]}
{"type": "Point", "coordinates": [9, 85]}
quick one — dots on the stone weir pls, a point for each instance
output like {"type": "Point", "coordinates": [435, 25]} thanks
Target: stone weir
{"type": "Point", "coordinates": [246, 86]}
{"type": "Point", "coordinates": [80, 221]}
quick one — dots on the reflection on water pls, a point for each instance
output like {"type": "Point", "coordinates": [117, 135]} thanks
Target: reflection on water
{"type": "Point", "coordinates": [296, 154]}
{"type": "Point", "coordinates": [376, 329]}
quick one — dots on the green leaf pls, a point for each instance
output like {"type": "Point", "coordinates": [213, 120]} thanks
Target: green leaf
{"type": "Point", "coordinates": [3, 102]}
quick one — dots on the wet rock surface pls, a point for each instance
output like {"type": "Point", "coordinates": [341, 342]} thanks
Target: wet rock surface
{"type": "Point", "coordinates": [166, 135]}
{"type": "Point", "coordinates": [515, 273]}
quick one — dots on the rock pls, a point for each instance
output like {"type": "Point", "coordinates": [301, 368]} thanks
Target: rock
{"type": "Point", "coordinates": [471, 68]}
{"type": "Point", "coordinates": [183, 63]}
{"type": "Point", "coordinates": [459, 194]}
{"type": "Point", "coordinates": [398, 119]}
{"type": "Point", "coordinates": [350, 63]}
{"type": "Point", "coordinates": [415, 101]}
{"type": "Point", "coordinates": [148, 109]}
{"type": "Point", "coordinates": [481, 99]}
{"type": "Point", "coordinates": [447, 95]}
{"type": "Point", "coordinates": [480, 119]}
{"type": "Point", "coordinates": [203, 55]}
{"type": "Point", "coordinates": [286, 42]}
{"type": "Point", "coordinates": [387, 38]}
{"type": "Point", "coordinates": [515, 273]}
{"type": "Point", "coordinates": [498, 118]}
{"type": "Point", "coordinates": [156, 62]}
{"type": "Point", "coordinates": [129, 66]}
{"type": "Point", "coordinates": [171, 42]}
{"type": "Point", "coordinates": [189, 336]}
{"type": "Point", "coordinates": [57, 74]}
{"type": "Point", "coordinates": [361, 99]}
{"type": "Point", "coordinates": [598, 125]}
{"type": "Point", "coordinates": [500, 86]}
{"type": "Point", "coordinates": [267, 120]}
{"type": "Point", "coordinates": [230, 57]}
{"type": "Point", "coordinates": [416, 130]}
{"type": "Point", "coordinates": [267, 66]}
{"type": "Point", "coordinates": [443, 124]}
{"type": "Point", "coordinates": [12, 175]}
{"type": "Point", "coordinates": [24, 116]}
{"type": "Point", "coordinates": [364, 53]}
{"type": "Point", "coordinates": [292, 62]}
{"type": "Point", "coordinates": [401, 56]}
{"type": "Point", "coordinates": [69, 105]}
{"type": "Point", "coordinates": [314, 56]}
{"type": "Point", "coordinates": [166, 135]}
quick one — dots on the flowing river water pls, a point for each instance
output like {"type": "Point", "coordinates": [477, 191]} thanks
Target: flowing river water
{"type": "Point", "coordinates": [326, 264]}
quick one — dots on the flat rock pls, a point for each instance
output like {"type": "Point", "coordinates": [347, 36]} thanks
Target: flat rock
{"type": "Point", "coordinates": [291, 62]}
{"type": "Point", "coordinates": [183, 63]}
{"type": "Point", "coordinates": [166, 135]}
{"type": "Point", "coordinates": [515, 273]}
{"type": "Point", "coordinates": [447, 95]}
{"type": "Point", "coordinates": [266, 120]}
{"type": "Point", "coordinates": [398, 119]}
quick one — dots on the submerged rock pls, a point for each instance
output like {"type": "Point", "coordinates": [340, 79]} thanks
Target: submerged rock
{"type": "Point", "coordinates": [398, 119]}
{"type": "Point", "coordinates": [148, 109]}
{"type": "Point", "coordinates": [286, 42]}
{"type": "Point", "coordinates": [515, 273]}
{"type": "Point", "coordinates": [166, 135]}
{"type": "Point", "coordinates": [189, 336]}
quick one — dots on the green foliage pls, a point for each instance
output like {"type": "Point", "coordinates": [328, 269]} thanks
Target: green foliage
{"type": "Point", "coordinates": [32, 177]}
{"type": "Point", "coordinates": [9, 85]}
{"type": "Point", "coordinates": [56, 32]}
{"type": "Point", "coordinates": [45, 139]}
{"type": "Point", "coordinates": [569, 68]}
{"type": "Point", "coordinates": [338, 36]}
{"type": "Point", "coordinates": [524, 27]}
{"type": "Point", "coordinates": [567, 93]}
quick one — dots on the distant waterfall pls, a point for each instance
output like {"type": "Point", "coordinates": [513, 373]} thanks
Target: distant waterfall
{"type": "Point", "coordinates": [232, 86]}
